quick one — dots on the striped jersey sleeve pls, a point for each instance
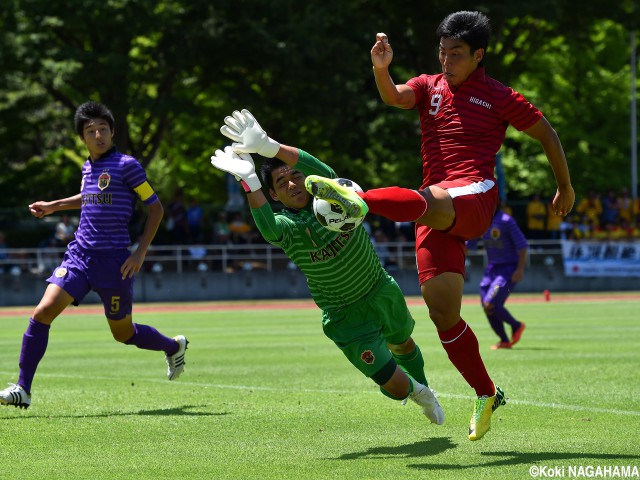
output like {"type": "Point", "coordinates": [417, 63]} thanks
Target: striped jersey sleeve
{"type": "Point", "coordinates": [504, 240]}
{"type": "Point", "coordinates": [110, 189]}
{"type": "Point", "coordinates": [340, 268]}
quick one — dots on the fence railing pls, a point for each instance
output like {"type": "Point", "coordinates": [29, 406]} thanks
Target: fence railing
{"type": "Point", "coordinates": [231, 258]}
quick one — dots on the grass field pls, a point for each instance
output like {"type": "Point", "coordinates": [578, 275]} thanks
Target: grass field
{"type": "Point", "coordinates": [266, 396]}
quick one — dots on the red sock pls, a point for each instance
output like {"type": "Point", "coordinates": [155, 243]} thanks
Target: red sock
{"type": "Point", "coordinates": [462, 347]}
{"type": "Point", "coordinates": [395, 203]}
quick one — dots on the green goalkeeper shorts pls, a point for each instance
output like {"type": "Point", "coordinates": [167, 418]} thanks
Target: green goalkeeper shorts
{"type": "Point", "coordinates": [363, 329]}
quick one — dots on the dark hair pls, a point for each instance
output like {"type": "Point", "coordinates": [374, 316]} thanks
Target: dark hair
{"type": "Point", "coordinates": [266, 171]}
{"type": "Point", "coordinates": [471, 27]}
{"type": "Point", "coordinates": [88, 111]}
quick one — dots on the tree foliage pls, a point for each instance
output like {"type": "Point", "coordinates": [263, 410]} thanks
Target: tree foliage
{"type": "Point", "coordinates": [171, 70]}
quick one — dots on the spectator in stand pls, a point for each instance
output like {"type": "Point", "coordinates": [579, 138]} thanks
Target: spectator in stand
{"type": "Point", "coordinates": [221, 231]}
{"type": "Point", "coordinates": [406, 231]}
{"type": "Point", "coordinates": [610, 208]}
{"type": "Point", "coordinates": [536, 215]}
{"type": "Point", "coordinates": [177, 219]}
{"type": "Point", "coordinates": [627, 207]}
{"type": "Point", "coordinates": [504, 206]}
{"type": "Point", "coordinates": [4, 253]}
{"type": "Point", "coordinates": [591, 207]}
{"type": "Point", "coordinates": [65, 231]}
{"type": "Point", "coordinates": [194, 221]}
{"type": "Point", "coordinates": [630, 232]}
{"type": "Point", "coordinates": [604, 232]}
{"type": "Point", "coordinates": [387, 226]}
{"type": "Point", "coordinates": [579, 230]}
{"type": "Point", "coordinates": [566, 228]}
{"type": "Point", "coordinates": [379, 240]}
{"type": "Point", "coordinates": [240, 230]}
{"type": "Point", "coordinates": [554, 222]}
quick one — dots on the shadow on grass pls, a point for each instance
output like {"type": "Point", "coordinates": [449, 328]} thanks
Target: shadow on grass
{"type": "Point", "coordinates": [424, 448]}
{"type": "Point", "coordinates": [184, 410]}
{"type": "Point", "coordinates": [525, 458]}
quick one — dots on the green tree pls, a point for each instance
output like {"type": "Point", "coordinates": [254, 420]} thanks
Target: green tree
{"type": "Point", "coordinates": [170, 70]}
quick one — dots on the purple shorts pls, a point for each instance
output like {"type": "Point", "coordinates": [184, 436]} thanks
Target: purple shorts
{"type": "Point", "coordinates": [80, 272]}
{"type": "Point", "coordinates": [496, 285]}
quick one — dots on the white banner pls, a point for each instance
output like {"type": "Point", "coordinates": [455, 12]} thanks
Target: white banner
{"type": "Point", "coordinates": [587, 258]}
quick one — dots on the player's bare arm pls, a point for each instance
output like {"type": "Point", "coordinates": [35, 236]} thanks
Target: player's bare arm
{"type": "Point", "coordinates": [41, 209]}
{"type": "Point", "coordinates": [518, 273]}
{"type": "Point", "coordinates": [401, 96]}
{"type": "Point", "coordinates": [544, 133]}
{"type": "Point", "coordinates": [133, 264]}
{"type": "Point", "coordinates": [288, 154]}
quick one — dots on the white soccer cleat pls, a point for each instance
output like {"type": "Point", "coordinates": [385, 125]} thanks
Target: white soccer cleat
{"type": "Point", "coordinates": [15, 395]}
{"type": "Point", "coordinates": [175, 362]}
{"type": "Point", "coordinates": [426, 398]}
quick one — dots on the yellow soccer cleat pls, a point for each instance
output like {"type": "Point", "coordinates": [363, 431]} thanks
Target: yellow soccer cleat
{"type": "Point", "coordinates": [482, 411]}
{"type": "Point", "coordinates": [330, 190]}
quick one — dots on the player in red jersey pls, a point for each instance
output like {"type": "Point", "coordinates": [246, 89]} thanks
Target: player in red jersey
{"type": "Point", "coordinates": [464, 115]}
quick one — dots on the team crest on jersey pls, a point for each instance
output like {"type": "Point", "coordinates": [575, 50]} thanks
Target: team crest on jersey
{"type": "Point", "coordinates": [368, 357]}
{"type": "Point", "coordinates": [61, 272]}
{"type": "Point", "coordinates": [103, 180]}
{"type": "Point", "coordinates": [495, 233]}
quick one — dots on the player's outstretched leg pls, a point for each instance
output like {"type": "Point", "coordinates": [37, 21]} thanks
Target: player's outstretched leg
{"type": "Point", "coordinates": [426, 398]}
{"type": "Point", "coordinates": [15, 395]}
{"type": "Point", "coordinates": [331, 191]}
{"type": "Point", "coordinates": [175, 362]}
{"type": "Point", "coordinates": [482, 412]}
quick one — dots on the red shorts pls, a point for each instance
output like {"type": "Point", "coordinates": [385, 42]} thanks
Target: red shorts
{"type": "Point", "coordinates": [439, 251]}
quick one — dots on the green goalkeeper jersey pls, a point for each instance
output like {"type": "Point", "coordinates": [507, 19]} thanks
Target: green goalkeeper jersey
{"type": "Point", "coordinates": [341, 267]}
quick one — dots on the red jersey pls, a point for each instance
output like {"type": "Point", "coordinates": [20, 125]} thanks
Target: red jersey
{"type": "Point", "coordinates": [463, 128]}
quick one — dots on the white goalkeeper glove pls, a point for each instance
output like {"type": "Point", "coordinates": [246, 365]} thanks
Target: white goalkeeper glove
{"type": "Point", "coordinates": [248, 136]}
{"type": "Point", "coordinates": [240, 166]}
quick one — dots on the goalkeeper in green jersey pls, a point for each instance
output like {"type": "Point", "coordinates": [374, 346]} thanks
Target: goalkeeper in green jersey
{"type": "Point", "coordinates": [363, 309]}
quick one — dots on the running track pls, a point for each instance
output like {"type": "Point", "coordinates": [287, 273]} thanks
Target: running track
{"type": "Point", "coordinates": [308, 304]}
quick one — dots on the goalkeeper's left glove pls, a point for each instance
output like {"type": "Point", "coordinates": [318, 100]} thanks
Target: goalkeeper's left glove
{"type": "Point", "coordinates": [240, 166]}
{"type": "Point", "coordinates": [248, 136]}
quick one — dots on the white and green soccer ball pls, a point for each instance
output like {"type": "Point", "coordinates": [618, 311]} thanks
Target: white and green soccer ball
{"type": "Point", "coordinates": [331, 216]}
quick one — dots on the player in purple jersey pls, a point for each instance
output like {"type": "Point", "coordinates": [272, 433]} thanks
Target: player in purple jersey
{"type": "Point", "coordinates": [506, 248]}
{"type": "Point", "coordinates": [99, 258]}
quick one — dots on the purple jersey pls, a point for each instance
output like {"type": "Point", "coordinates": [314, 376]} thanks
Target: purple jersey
{"type": "Point", "coordinates": [503, 240]}
{"type": "Point", "coordinates": [108, 200]}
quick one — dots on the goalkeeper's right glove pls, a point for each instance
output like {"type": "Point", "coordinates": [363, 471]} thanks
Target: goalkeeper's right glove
{"type": "Point", "coordinates": [248, 136]}
{"type": "Point", "coordinates": [240, 166]}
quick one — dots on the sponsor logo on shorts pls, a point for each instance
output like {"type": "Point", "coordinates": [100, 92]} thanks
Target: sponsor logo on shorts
{"type": "Point", "coordinates": [368, 357]}
{"type": "Point", "coordinates": [61, 272]}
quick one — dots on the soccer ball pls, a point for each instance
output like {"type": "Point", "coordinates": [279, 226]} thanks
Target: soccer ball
{"type": "Point", "coordinates": [332, 216]}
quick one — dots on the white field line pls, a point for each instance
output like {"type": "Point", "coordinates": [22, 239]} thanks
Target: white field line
{"type": "Point", "coordinates": [510, 401]}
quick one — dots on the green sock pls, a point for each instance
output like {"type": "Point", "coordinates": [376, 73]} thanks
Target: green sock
{"type": "Point", "coordinates": [387, 394]}
{"type": "Point", "coordinates": [413, 364]}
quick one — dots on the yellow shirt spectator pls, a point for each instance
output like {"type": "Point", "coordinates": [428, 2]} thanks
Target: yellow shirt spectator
{"type": "Point", "coordinates": [591, 207]}
{"type": "Point", "coordinates": [553, 223]}
{"type": "Point", "coordinates": [536, 215]}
